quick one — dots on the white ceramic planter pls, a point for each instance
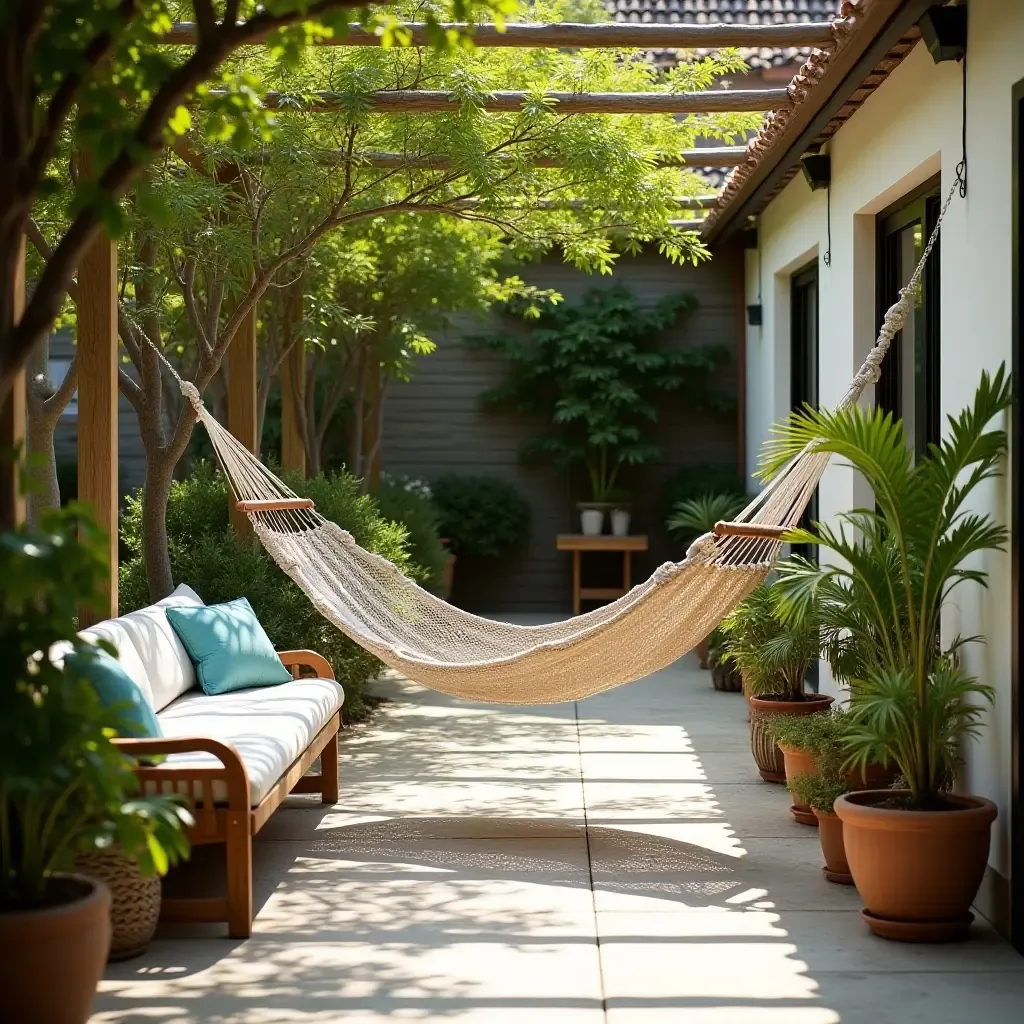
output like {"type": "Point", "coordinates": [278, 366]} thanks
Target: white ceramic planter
{"type": "Point", "coordinates": [592, 522]}
{"type": "Point", "coordinates": [620, 522]}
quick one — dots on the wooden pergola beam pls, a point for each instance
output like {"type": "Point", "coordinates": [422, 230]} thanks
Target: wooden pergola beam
{"type": "Point", "coordinates": [570, 35]}
{"type": "Point", "coordinates": [720, 156]}
{"type": "Point", "coordinates": [424, 101]}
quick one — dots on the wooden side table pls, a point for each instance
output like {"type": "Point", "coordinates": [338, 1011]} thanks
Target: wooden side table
{"type": "Point", "coordinates": [577, 543]}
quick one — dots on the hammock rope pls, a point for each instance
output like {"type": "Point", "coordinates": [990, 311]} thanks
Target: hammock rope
{"type": "Point", "coordinates": [465, 655]}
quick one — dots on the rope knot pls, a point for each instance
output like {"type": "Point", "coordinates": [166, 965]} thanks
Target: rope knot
{"type": "Point", "coordinates": [191, 392]}
{"type": "Point", "coordinates": [703, 549]}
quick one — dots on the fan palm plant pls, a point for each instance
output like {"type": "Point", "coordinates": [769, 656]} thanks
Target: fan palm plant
{"type": "Point", "coordinates": [696, 516]}
{"type": "Point", "coordinates": [880, 596]}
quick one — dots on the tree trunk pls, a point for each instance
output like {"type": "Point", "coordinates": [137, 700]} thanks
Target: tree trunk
{"type": "Point", "coordinates": [155, 496]}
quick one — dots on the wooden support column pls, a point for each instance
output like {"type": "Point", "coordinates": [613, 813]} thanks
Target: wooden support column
{"type": "Point", "coordinates": [12, 424]}
{"type": "Point", "coordinates": [372, 440]}
{"type": "Point", "coordinates": [241, 366]}
{"type": "Point", "coordinates": [97, 402]}
{"type": "Point", "coordinates": [293, 389]}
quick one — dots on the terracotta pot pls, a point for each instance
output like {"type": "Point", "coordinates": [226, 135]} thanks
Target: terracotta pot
{"type": "Point", "coordinates": [830, 834]}
{"type": "Point", "coordinates": [703, 652]}
{"type": "Point", "coordinates": [799, 762]}
{"type": "Point", "coordinates": [917, 871]}
{"type": "Point", "coordinates": [53, 958]}
{"type": "Point", "coordinates": [767, 755]}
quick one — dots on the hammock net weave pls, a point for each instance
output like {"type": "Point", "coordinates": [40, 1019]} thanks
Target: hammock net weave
{"type": "Point", "coordinates": [451, 650]}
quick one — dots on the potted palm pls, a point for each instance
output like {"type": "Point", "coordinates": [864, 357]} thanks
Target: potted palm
{"type": "Point", "coordinates": [774, 657]}
{"type": "Point", "coordinates": [66, 789]}
{"type": "Point", "coordinates": [917, 854]}
{"type": "Point", "coordinates": [692, 518]}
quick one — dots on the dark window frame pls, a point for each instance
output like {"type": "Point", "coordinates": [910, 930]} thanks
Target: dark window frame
{"type": "Point", "coordinates": [919, 206]}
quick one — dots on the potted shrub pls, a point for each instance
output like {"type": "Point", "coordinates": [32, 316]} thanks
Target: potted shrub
{"type": "Point", "coordinates": [917, 854]}
{"type": "Point", "coordinates": [819, 791]}
{"type": "Point", "coordinates": [694, 517]}
{"type": "Point", "coordinates": [592, 375]}
{"type": "Point", "coordinates": [774, 658]}
{"type": "Point", "coordinates": [481, 516]}
{"type": "Point", "coordinates": [66, 787]}
{"type": "Point", "coordinates": [725, 676]}
{"type": "Point", "coordinates": [808, 742]}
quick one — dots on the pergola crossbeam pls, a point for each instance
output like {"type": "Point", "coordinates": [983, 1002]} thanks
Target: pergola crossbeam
{"type": "Point", "coordinates": [722, 156]}
{"type": "Point", "coordinates": [569, 35]}
{"type": "Point", "coordinates": [424, 101]}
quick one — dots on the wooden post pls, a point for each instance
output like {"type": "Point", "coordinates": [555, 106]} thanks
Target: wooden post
{"type": "Point", "coordinates": [12, 423]}
{"type": "Point", "coordinates": [241, 366]}
{"type": "Point", "coordinates": [293, 389]}
{"type": "Point", "coordinates": [97, 402]}
{"type": "Point", "coordinates": [372, 439]}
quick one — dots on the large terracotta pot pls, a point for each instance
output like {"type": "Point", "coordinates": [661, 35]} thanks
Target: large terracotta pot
{"type": "Point", "coordinates": [799, 762]}
{"type": "Point", "coordinates": [767, 755]}
{"type": "Point", "coordinates": [917, 871]}
{"type": "Point", "coordinates": [833, 847]}
{"type": "Point", "coordinates": [53, 958]}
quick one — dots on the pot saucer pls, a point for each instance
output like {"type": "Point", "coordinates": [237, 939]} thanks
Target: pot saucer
{"type": "Point", "coordinates": [803, 817]}
{"type": "Point", "coordinates": [839, 877]}
{"type": "Point", "coordinates": [918, 931]}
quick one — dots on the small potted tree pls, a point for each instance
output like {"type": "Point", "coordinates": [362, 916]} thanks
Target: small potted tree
{"type": "Point", "coordinates": [917, 854]}
{"type": "Point", "coordinates": [66, 788]}
{"type": "Point", "coordinates": [774, 658]}
{"type": "Point", "coordinates": [591, 376]}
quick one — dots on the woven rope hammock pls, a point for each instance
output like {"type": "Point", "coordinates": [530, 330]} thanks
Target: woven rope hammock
{"type": "Point", "coordinates": [465, 655]}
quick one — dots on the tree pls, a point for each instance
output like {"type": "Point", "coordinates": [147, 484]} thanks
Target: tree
{"type": "Point", "coordinates": [244, 220]}
{"type": "Point", "coordinates": [100, 65]}
{"type": "Point", "coordinates": [591, 375]}
{"type": "Point", "coordinates": [380, 293]}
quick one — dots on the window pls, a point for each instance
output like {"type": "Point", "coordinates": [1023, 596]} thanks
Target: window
{"type": "Point", "coordinates": [909, 384]}
{"type": "Point", "coordinates": [803, 366]}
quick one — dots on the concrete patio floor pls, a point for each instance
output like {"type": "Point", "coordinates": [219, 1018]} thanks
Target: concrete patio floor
{"type": "Point", "coordinates": [615, 861]}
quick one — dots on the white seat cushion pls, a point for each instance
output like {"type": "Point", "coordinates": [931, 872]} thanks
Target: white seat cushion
{"type": "Point", "coordinates": [269, 726]}
{"type": "Point", "coordinates": [149, 650]}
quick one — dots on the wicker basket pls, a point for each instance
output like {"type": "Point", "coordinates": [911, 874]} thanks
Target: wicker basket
{"type": "Point", "coordinates": [135, 902]}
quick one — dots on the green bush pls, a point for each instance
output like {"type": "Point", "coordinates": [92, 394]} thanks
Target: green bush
{"type": "Point", "coordinates": [409, 501]}
{"type": "Point", "coordinates": [690, 482]}
{"type": "Point", "coordinates": [481, 515]}
{"type": "Point", "coordinates": [208, 556]}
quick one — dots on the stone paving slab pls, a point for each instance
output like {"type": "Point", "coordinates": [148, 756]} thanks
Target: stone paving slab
{"type": "Point", "coordinates": [615, 861]}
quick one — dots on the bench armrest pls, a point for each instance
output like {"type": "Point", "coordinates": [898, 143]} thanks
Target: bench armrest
{"type": "Point", "coordinates": [293, 660]}
{"type": "Point", "coordinates": [232, 770]}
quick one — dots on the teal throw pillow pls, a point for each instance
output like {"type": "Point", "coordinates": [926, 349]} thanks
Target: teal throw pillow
{"type": "Point", "coordinates": [116, 689]}
{"type": "Point", "coordinates": [229, 647]}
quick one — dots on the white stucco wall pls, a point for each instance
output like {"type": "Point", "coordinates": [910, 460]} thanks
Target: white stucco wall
{"type": "Point", "coordinates": [905, 133]}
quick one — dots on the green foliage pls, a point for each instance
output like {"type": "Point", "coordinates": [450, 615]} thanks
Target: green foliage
{"type": "Point", "coordinates": [481, 515]}
{"type": "Point", "coordinates": [891, 569]}
{"type": "Point", "coordinates": [774, 653]}
{"type": "Point", "coordinates": [695, 517]}
{"type": "Point", "coordinates": [689, 482]}
{"type": "Point", "coordinates": [822, 734]}
{"type": "Point", "coordinates": [819, 791]}
{"type": "Point", "coordinates": [409, 502]}
{"type": "Point", "coordinates": [592, 374]}
{"type": "Point", "coordinates": [64, 787]}
{"type": "Point", "coordinates": [208, 556]}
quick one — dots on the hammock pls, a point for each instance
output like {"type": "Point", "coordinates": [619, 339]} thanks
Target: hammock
{"type": "Point", "coordinates": [464, 655]}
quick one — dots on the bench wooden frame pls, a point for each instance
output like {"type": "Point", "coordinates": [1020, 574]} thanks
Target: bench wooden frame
{"type": "Point", "coordinates": [235, 823]}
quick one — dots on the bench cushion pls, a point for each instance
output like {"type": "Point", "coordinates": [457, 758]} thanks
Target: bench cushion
{"type": "Point", "coordinates": [269, 727]}
{"type": "Point", "coordinates": [149, 650]}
